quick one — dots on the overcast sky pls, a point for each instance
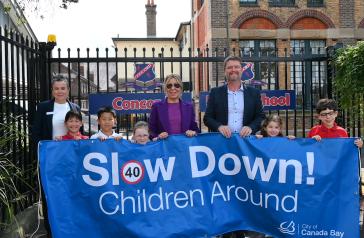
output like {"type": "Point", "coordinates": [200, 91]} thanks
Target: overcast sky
{"type": "Point", "coordinates": [92, 23]}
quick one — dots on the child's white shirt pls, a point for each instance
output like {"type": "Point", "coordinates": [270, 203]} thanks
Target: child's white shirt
{"type": "Point", "coordinates": [102, 135]}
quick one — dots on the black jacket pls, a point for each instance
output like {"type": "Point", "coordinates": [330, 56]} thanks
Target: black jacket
{"type": "Point", "coordinates": [217, 109]}
{"type": "Point", "coordinates": [42, 128]}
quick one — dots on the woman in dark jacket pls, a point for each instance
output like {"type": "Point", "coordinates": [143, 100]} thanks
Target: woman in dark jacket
{"type": "Point", "coordinates": [48, 123]}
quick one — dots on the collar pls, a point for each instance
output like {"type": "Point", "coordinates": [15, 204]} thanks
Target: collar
{"type": "Point", "coordinates": [113, 133]}
{"type": "Point", "coordinates": [324, 128]}
{"type": "Point", "coordinates": [241, 89]}
{"type": "Point", "coordinates": [72, 136]}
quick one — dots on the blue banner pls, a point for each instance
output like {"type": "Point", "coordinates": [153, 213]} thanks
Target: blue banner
{"type": "Point", "coordinates": [271, 99]}
{"type": "Point", "coordinates": [127, 103]}
{"type": "Point", "coordinates": [201, 186]}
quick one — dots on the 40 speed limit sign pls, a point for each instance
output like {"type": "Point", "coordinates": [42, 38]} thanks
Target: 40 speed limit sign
{"type": "Point", "coordinates": [132, 172]}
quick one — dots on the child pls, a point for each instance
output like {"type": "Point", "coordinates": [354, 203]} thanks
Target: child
{"type": "Point", "coordinates": [327, 113]}
{"type": "Point", "coordinates": [106, 117]}
{"type": "Point", "coordinates": [73, 123]}
{"type": "Point", "coordinates": [271, 127]}
{"type": "Point", "coordinates": [141, 133]}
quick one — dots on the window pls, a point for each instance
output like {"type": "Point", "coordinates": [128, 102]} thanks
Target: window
{"type": "Point", "coordinates": [282, 3]}
{"type": "Point", "coordinates": [265, 71]}
{"type": "Point", "coordinates": [315, 3]}
{"type": "Point", "coordinates": [248, 2]}
{"type": "Point", "coordinates": [308, 78]}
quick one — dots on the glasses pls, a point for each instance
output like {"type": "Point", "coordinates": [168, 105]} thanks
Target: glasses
{"type": "Point", "coordinates": [175, 85]}
{"type": "Point", "coordinates": [325, 114]}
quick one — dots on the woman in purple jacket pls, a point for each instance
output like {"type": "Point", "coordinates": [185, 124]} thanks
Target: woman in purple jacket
{"type": "Point", "coordinates": [172, 115]}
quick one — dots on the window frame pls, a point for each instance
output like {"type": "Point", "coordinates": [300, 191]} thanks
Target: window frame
{"type": "Point", "coordinates": [315, 3]}
{"type": "Point", "coordinates": [282, 3]}
{"type": "Point", "coordinates": [248, 3]}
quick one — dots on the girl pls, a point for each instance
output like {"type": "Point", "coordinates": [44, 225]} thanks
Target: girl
{"type": "Point", "coordinates": [141, 133]}
{"type": "Point", "coordinates": [73, 122]}
{"type": "Point", "coordinates": [271, 127]}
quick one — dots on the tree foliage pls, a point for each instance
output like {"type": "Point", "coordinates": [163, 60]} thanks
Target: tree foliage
{"type": "Point", "coordinates": [349, 78]}
{"type": "Point", "coordinates": [35, 3]}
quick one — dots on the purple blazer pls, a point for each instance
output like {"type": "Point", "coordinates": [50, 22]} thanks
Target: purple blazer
{"type": "Point", "coordinates": [158, 120]}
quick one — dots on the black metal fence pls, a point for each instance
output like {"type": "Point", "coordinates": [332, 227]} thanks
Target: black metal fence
{"type": "Point", "coordinates": [19, 92]}
{"type": "Point", "coordinates": [306, 73]}
{"type": "Point", "coordinates": [27, 67]}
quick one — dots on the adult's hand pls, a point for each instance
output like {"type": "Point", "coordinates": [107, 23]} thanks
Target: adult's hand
{"type": "Point", "coordinates": [225, 131]}
{"type": "Point", "coordinates": [163, 135]}
{"type": "Point", "coordinates": [190, 133]}
{"type": "Point", "coordinates": [245, 131]}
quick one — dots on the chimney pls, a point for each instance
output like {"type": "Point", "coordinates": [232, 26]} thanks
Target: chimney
{"type": "Point", "coordinates": [151, 18]}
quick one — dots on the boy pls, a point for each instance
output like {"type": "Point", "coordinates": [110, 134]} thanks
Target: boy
{"type": "Point", "coordinates": [327, 113]}
{"type": "Point", "coordinates": [106, 118]}
{"type": "Point", "coordinates": [141, 133]}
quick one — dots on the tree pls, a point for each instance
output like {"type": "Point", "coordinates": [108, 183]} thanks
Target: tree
{"type": "Point", "coordinates": [38, 7]}
{"type": "Point", "coordinates": [63, 3]}
{"type": "Point", "coordinates": [349, 78]}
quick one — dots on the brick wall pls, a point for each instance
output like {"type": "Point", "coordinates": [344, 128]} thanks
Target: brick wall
{"type": "Point", "coordinates": [218, 13]}
{"type": "Point", "coordinates": [346, 13]}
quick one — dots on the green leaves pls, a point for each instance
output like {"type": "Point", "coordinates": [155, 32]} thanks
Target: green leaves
{"type": "Point", "coordinates": [349, 78]}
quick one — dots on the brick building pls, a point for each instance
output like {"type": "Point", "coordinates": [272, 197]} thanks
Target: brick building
{"type": "Point", "coordinates": [277, 28]}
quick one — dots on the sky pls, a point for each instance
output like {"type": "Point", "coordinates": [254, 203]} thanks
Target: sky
{"type": "Point", "coordinates": [92, 23]}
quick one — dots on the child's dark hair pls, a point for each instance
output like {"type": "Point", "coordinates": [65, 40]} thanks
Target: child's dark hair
{"type": "Point", "coordinates": [270, 118]}
{"type": "Point", "coordinates": [106, 110]}
{"type": "Point", "coordinates": [140, 124]}
{"type": "Point", "coordinates": [73, 114]}
{"type": "Point", "coordinates": [326, 103]}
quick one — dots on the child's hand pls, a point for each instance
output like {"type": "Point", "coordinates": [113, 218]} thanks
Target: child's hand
{"type": "Point", "coordinates": [101, 138]}
{"type": "Point", "coordinates": [58, 138]}
{"type": "Point", "coordinates": [155, 139]}
{"type": "Point", "coordinates": [359, 143]}
{"type": "Point", "coordinates": [259, 136]}
{"type": "Point", "coordinates": [291, 137]}
{"type": "Point", "coordinates": [163, 135]}
{"type": "Point", "coordinates": [316, 137]}
{"type": "Point", "coordinates": [117, 138]}
{"type": "Point", "coordinates": [190, 133]}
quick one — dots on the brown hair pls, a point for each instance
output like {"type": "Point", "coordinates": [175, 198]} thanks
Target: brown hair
{"type": "Point", "coordinates": [231, 58]}
{"type": "Point", "coordinates": [270, 118]}
{"type": "Point", "coordinates": [326, 103]}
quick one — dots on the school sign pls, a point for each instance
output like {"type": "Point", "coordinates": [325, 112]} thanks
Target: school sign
{"type": "Point", "coordinates": [201, 186]}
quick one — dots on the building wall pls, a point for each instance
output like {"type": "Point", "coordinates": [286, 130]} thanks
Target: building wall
{"type": "Point", "coordinates": [337, 21]}
{"type": "Point", "coordinates": [161, 69]}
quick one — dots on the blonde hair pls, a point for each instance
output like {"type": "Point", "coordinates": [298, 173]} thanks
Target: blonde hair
{"type": "Point", "coordinates": [141, 124]}
{"type": "Point", "coordinates": [173, 76]}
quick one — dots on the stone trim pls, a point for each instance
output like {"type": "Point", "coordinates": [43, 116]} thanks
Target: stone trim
{"type": "Point", "coordinates": [258, 13]}
{"type": "Point", "coordinates": [310, 13]}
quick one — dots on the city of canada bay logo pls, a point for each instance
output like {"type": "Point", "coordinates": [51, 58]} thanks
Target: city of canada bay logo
{"type": "Point", "coordinates": [287, 227]}
{"type": "Point", "coordinates": [144, 77]}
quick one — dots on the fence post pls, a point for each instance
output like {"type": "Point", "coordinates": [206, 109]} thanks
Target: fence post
{"type": "Point", "coordinates": [45, 53]}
